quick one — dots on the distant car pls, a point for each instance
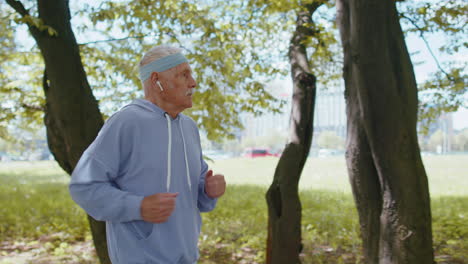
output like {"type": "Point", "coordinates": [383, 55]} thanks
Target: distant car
{"type": "Point", "coordinates": [257, 152]}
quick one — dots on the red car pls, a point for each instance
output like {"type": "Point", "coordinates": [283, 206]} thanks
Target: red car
{"type": "Point", "coordinates": [257, 152]}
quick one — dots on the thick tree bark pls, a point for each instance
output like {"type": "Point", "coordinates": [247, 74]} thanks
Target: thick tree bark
{"type": "Point", "coordinates": [284, 206]}
{"type": "Point", "coordinates": [386, 172]}
{"type": "Point", "coordinates": [72, 115]}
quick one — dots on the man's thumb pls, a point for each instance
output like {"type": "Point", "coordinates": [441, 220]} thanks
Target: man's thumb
{"type": "Point", "coordinates": [209, 174]}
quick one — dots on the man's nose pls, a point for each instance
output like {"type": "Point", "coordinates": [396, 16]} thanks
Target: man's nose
{"type": "Point", "coordinates": [193, 83]}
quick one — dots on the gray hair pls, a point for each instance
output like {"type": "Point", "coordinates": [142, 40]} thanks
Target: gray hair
{"type": "Point", "coordinates": [157, 53]}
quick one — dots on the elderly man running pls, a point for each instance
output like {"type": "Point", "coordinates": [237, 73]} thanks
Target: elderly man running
{"type": "Point", "coordinates": [145, 175]}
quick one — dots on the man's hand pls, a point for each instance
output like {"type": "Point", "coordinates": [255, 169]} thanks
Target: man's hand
{"type": "Point", "coordinates": [158, 207]}
{"type": "Point", "coordinates": [215, 186]}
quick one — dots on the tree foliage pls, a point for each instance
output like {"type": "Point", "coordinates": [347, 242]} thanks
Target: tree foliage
{"type": "Point", "coordinates": [226, 52]}
{"type": "Point", "coordinates": [234, 49]}
{"type": "Point", "coordinates": [445, 90]}
{"type": "Point", "coordinates": [324, 48]}
{"type": "Point", "coordinates": [21, 98]}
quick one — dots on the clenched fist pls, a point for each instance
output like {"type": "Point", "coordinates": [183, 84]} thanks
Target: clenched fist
{"type": "Point", "coordinates": [215, 185]}
{"type": "Point", "coordinates": [158, 207]}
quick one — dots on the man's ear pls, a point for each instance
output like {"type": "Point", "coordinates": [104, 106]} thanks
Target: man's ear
{"type": "Point", "coordinates": [154, 77]}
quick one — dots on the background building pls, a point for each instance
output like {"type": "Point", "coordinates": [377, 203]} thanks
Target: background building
{"type": "Point", "coordinates": [330, 114]}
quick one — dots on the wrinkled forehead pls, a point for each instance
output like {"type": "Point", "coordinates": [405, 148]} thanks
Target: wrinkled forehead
{"type": "Point", "coordinates": [179, 69]}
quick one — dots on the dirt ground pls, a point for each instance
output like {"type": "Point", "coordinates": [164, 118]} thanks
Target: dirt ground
{"type": "Point", "coordinates": [47, 251]}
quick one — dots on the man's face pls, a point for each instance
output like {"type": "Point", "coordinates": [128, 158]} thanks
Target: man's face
{"type": "Point", "coordinates": [178, 84]}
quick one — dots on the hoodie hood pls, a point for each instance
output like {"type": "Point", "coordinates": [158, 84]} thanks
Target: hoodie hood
{"type": "Point", "coordinates": [147, 105]}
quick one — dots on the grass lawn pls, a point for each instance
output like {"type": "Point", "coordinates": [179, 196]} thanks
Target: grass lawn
{"type": "Point", "coordinates": [448, 175]}
{"type": "Point", "coordinates": [40, 224]}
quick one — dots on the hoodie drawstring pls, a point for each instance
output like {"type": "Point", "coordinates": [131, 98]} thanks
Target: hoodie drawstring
{"type": "Point", "coordinates": [185, 153]}
{"type": "Point", "coordinates": [169, 153]}
{"type": "Point", "coordinates": [169, 149]}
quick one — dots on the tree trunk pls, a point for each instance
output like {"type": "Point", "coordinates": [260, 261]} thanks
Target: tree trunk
{"type": "Point", "coordinates": [72, 115]}
{"type": "Point", "coordinates": [284, 206]}
{"type": "Point", "coordinates": [384, 164]}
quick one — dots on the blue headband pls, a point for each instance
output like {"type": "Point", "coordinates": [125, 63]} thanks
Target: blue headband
{"type": "Point", "coordinates": [160, 65]}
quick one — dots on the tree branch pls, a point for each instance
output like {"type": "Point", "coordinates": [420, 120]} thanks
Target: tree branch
{"type": "Point", "coordinates": [113, 39]}
{"type": "Point", "coordinates": [421, 34]}
{"type": "Point", "coordinates": [307, 31]}
{"type": "Point", "coordinates": [18, 7]}
{"type": "Point", "coordinates": [312, 7]}
{"type": "Point", "coordinates": [171, 34]}
{"type": "Point", "coordinates": [32, 107]}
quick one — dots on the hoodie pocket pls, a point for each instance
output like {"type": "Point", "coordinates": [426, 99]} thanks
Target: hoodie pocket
{"type": "Point", "coordinates": [140, 229]}
{"type": "Point", "coordinates": [178, 237]}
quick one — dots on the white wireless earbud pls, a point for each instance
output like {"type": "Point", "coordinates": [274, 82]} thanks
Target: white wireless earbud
{"type": "Point", "coordinates": [160, 86]}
